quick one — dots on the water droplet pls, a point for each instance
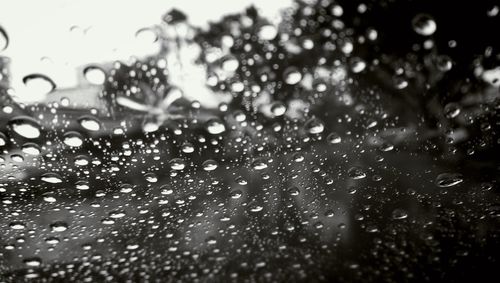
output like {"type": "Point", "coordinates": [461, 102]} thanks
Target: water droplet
{"type": "Point", "coordinates": [31, 149]}
{"type": "Point", "coordinates": [117, 214]}
{"type": "Point", "coordinates": [177, 164]}
{"type": "Point", "coordinates": [3, 139]}
{"type": "Point", "coordinates": [187, 147]}
{"type": "Point", "coordinates": [59, 226]}
{"type": "Point", "coordinates": [451, 110]}
{"type": "Point", "coordinates": [146, 35]}
{"type": "Point", "coordinates": [26, 127]}
{"type": "Point", "coordinates": [49, 197]}
{"type": "Point", "coordinates": [236, 194]}
{"type": "Point", "coordinates": [230, 64]}
{"type": "Point", "coordinates": [259, 164]}
{"type": "Point", "coordinates": [132, 247]}
{"type": "Point", "coordinates": [314, 126]}
{"type": "Point", "coordinates": [210, 165]}
{"type": "Point", "coordinates": [52, 240]}
{"type": "Point", "coordinates": [82, 185]}
{"type": "Point", "coordinates": [333, 138]}
{"type": "Point", "coordinates": [33, 261]}
{"type": "Point", "coordinates": [424, 24]}
{"type": "Point", "coordinates": [386, 147]}
{"type": "Point", "coordinates": [399, 214]}
{"type": "Point", "coordinates": [38, 85]}
{"type": "Point", "coordinates": [278, 109]}
{"type": "Point", "coordinates": [16, 225]}
{"type": "Point", "coordinates": [267, 32]}
{"type": "Point", "coordinates": [215, 126]}
{"type": "Point", "coordinates": [17, 158]}
{"type": "Point", "coordinates": [357, 65]}
{"type": "Point", "coordinates": [356, 173]}
{"type": "Point", "coordinates": [126, 188]}
{"type": "Point", "coordinates": [52, 178]}
{"type": "Point", "coordinates": [293, 191]}
{"type": "Point", "coordinates": [81, 160]}
{"type": "Point", "coordinates": [89, 123]}
{"type": "Point", "coordinates": [241, 181]}
{"type": "Point", "coordinates": [256, 208]}
{"type": "Point", "coordinates": [151, 177]}
{"type": "Point", "coordinates": [4, 39]}
{"type": "Point", "coordinates": [239, 116]}
{"type": "Point", "coordinates": [292, 76]}
{"type": "Point", "coordinates": [445, 180]}
{"type": "Point", "coordinates": [444, 63]}
{"type": "Point", "coordinates": [73, 139]}
{"type": "Point", "coordinates": [94, 75]}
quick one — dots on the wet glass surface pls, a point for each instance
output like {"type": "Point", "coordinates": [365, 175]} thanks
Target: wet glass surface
{"type": "Point", "coordinates": [346, 141]}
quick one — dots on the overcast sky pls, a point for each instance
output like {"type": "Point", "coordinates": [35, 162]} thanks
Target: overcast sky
{"type": "Point", "coordinates": [72, 33]}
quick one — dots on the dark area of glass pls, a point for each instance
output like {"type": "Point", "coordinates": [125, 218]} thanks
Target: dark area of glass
{"type": "Point", "coordinates": [359, 142]}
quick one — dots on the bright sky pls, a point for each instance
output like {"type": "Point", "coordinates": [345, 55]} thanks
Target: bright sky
{"type": "Point", "coordinates": [68, 33]}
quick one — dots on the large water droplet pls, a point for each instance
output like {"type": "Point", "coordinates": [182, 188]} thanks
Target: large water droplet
{"type": "Point", "coordinates": [424, 24]}
{"type": "Point", "coordinates": [33, 261]}
{"type": "Point", "coordinates": [445, 180]}
{"type": "Point", "coordinates": [267, 32]}
{"type": "Point", "coordinates": [278, 109]}
{"type": "Point", "coordinates": [399, 214]}
{"type": "Point", "coordinates": [177, 164]}
{"type": "Point", "coordinates": [52, 178]}
{"type": "Point", "coordinates": [73, 139]}
{"type": "Point", "coordinates": [90, 123]}
{"type": "Point", "coordinates": [210, 165]}
{"type": "Point", "coordinates": [4, 39]}
{"type": "Point", "coordinates": [314, 126]}
{"type": "Point", "coordinates": [38, 85]}
{"type": "Point", "coordinates": [59, 226]}
{"type": "Point", "coordinates": [215, 126]}
{"type": "Point", "coordinates": [17, 225]}
{"type": "Point", "coordinates": [356, 173]}
{"type": "Point", "coordinates": [3, 139]}
{"type": "Point", "coordinates": [94, 75]}
{"type": "Point", "coordinates": [31, 148]}
{"type": "Point", "coordinates": [333, 138]}
{"type": "Point", "coordinates": [26, 127]}
{"type": "Point", "coordinates": [292, 76]}
{"type": "Point", "coordinates": [451, 110]}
